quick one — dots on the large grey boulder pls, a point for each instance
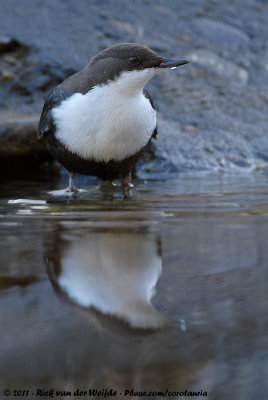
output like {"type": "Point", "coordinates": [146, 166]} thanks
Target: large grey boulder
{"type": "Point", "coordinates": [212, 112]}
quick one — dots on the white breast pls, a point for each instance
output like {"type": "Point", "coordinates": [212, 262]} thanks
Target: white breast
{"type": "Point", "coordinates": [110, 122]}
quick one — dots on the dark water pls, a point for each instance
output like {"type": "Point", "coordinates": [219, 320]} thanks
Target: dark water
{"type": "Point", "coordinates": [167, 290]}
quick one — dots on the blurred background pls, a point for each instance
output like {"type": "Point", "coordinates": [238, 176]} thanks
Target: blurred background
{"type": "Point", "coordinates": [213, 110]}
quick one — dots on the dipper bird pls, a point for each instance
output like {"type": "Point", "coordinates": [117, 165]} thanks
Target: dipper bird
{"type": "Point", "coordinates": [100, 120]}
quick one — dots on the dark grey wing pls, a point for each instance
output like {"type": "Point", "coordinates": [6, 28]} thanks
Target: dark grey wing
{"type": "Point", "coordinates": [46, 124]}
{"type": "Point", "coordinates": [148, 96]}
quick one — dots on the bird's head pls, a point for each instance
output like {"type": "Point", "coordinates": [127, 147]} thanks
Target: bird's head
{"type": "Point", "coordinates": [131, 65]}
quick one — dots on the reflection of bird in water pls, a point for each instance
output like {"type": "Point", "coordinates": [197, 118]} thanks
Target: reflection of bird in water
{"type": "Point", "coordinates": [114, 273]}
{"type": "Point", "coordinates": [100, 120]}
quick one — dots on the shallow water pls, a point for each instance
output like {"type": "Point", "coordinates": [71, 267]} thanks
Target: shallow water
{"type": "Point", "coordinates": [167, 290]}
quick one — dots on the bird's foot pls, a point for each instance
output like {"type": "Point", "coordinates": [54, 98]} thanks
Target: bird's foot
{"type": "Point", "coordinates": [71, 188]}
{"type": "Point", "coordinates": [127, 185]}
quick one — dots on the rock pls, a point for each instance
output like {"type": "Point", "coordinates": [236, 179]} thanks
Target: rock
{"type": "Point", "coordinates": [7, 76]}
{"type": "Point", "coordinates": [21, 89]}
{"type": "Point", "coordinates": [8, 44]}
{"type": "Point", "coordinates": [225, 69]}
{"type": "Point", "coordinates": [10, 60]}
{"type": "Point", "coordinates": [191, 128]}
{"type": "Point", "coordinates": [18, 135]}
{"type": "Point", "coordinates": [42, 82]}
{"type": "Point", "coordinates": [125, 26]}
{"type": "Point", "coordinates": [221, 33]}
{"type": "Point", "coordinates": [208, 148]}
{"type": "Point", "coordinates": [208, 110]}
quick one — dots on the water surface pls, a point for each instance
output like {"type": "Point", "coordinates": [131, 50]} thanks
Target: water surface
{"type": "Point", "coordinates": [165, 290]}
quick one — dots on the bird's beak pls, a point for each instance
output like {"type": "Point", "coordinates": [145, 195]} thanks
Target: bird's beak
{"type": "Point", "coordinates": [172, 63]}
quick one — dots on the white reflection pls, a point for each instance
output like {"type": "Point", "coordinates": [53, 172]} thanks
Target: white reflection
{"type": "Point", "coordinates": [26, 201]}
{"type": "Point", "coordinates": [66, 192]}
{"type": "Point", "coordinates": [114, 272]}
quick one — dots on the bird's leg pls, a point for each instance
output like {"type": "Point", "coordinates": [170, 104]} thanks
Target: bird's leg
{"type": "Point", "coordinates": [71, 187]}
{"type": "Point", "coordinates": [126, 185]}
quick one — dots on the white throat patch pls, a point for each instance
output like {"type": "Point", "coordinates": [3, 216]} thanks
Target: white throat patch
{"type": "Point", "coordinates": [111, 121]}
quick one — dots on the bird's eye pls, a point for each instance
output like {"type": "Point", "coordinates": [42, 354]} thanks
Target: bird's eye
{"type": "Point", "coordinates": [134, 60]}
